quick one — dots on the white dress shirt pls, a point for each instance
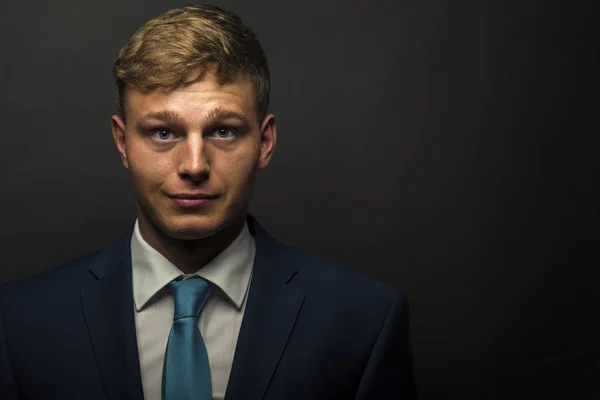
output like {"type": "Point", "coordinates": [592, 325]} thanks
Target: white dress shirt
{"type": "Point", "coordinates": [220, 319]}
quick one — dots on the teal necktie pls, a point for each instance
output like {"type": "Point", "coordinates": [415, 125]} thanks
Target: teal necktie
{"type": "Point", "coordinates": [186, 372]}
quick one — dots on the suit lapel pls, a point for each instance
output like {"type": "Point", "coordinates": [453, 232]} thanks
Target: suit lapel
{"type": "Point", "coordinates": [107, 301]}
{"type": "Point", "coordinates": [271, 311]}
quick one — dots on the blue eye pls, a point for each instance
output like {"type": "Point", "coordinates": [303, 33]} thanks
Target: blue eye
{"type": "Point", "coordinates": [162, 134]}
{"type": "Point", "coordinates": [224, 133]}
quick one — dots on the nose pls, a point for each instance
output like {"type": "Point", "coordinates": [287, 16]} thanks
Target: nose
{"type": "Point", "coordinates": [194, 161]}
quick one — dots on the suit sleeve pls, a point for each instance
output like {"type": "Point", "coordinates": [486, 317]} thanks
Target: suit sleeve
{"type": "Point", "coordinates": [8, 389]}
{"type": "Point", "coordinates": [389, 372]}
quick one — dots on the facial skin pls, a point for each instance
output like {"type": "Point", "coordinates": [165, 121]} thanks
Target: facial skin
{"type": "Point", "coordinates": [197, 138]}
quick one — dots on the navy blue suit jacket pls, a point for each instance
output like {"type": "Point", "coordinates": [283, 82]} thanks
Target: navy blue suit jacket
{"type": "Point", "coordinates": [311, 330]}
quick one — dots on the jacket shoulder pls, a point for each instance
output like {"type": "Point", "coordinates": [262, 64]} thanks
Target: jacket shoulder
{"type": "Point", "coordinates": [338, 280]}
{"type": "Point", "coordinates": [49, 282]}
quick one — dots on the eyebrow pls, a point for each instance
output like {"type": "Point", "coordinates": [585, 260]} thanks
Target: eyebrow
{"type": "Point", "coordinates": [165, 115]}
{"type": "Point", "coordinates": [219, 113]}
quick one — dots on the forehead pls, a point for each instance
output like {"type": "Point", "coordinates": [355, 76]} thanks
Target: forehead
{"type": "Point", "coordinates": [195, 100]}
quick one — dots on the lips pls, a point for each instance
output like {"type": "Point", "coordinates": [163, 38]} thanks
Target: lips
{"type": "Point", "coordinates": [194, 196]}
{"type": "Point", "coordinates": [192, 200]}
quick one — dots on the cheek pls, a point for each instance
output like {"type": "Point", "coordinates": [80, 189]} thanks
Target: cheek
{"type": "Point", "coordinates": [147, 170]}
{"type": "Point", "coordinates": [237, 169]}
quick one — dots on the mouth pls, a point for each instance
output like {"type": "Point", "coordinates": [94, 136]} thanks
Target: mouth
{"type": "Point", "coordinates": [192, 200]}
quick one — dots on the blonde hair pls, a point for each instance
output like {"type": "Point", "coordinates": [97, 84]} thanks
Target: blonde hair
{"type": "Point", "coordinates": [168, 47]}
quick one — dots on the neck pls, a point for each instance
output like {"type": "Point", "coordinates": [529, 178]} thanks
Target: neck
{"type": "Point", "coordinates": [189, 255]}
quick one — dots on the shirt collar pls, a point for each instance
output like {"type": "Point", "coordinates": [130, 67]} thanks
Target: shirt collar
{"type": "Point", "coordinates": [230, 270]}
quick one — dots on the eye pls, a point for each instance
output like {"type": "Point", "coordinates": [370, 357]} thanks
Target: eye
{"type": "Point", "coordinates": [224, 133]}
{"type": "Point", "coordinates": [162, 134]}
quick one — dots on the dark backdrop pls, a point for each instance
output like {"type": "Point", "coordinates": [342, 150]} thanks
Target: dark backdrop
{"type": "Point", "coordinates": [444, 147]}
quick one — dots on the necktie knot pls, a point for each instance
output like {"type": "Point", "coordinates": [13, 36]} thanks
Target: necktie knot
{"type": "Point", "coordinates": [189, 296]}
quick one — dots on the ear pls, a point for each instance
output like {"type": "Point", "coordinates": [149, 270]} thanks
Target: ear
{"type": "Point", "coordinates": [268, 140]}
{"type": "Point", "coordinates": [118, 130]}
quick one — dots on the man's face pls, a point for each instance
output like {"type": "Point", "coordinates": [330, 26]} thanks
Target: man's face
{"type": "Point", "coordinates": [201, 140]}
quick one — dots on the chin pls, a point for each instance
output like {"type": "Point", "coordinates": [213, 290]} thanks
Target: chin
{"type": "Point", "coordinates": [190, 227]}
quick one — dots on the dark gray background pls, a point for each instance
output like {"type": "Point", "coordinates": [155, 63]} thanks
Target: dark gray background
{"type": "Point", "coordinates": [444, 147]}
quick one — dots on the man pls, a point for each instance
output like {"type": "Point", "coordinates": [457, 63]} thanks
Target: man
{"type": "Point", "coordinates": [197, 300]}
